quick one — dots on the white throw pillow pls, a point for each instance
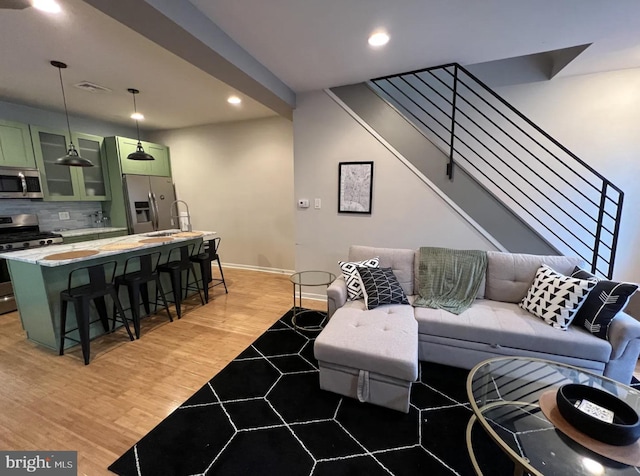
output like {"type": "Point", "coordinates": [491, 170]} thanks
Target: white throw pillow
{"type": "Point", "coordinates": [352, 278]}
{"type": "Point", "coordinates": [555, 297]}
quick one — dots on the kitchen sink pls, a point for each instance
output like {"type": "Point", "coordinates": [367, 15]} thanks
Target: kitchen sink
{"type": "Point", "coordinates": [162, 233]}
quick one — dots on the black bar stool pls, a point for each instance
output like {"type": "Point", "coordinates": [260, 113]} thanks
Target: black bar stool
{"type": "Point", "coordinates": [137, 286]}
{"type": "Point", "coordinates": [207, 253]}
{"type": "Point", "coordinates": [97, 288]}
{"type": "Point", "coordinates": [174, 269]}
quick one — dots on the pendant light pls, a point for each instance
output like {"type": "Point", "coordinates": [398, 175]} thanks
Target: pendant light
{"type": "Point", "coordinates": [139, 154]}
{"type": "Point", "coordinates": [72, 159]}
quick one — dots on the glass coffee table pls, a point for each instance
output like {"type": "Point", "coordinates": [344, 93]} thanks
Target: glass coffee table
{"type": "Point", "coordinates": [308, 278]}
{"type": "Point", "coordinates": [504, 395]}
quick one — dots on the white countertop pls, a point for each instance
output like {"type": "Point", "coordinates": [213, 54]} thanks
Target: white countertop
{"type": "Point", "coordinates": [37, 255]}
{"type": "Point", "coordinates": [88, 231]}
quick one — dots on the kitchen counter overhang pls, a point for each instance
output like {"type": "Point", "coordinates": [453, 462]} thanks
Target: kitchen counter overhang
{"type": "Point", "coordinates": [37, 281]}
{"type": "Point", "coordinates": [38, 255]}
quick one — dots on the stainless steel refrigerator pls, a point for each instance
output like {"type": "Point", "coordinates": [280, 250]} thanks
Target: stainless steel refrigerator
{"type": "Point", "coordinates": [149, 200]}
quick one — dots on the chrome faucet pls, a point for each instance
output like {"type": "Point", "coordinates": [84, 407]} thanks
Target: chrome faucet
{"type": "Point", "coordinates": [180, 223]}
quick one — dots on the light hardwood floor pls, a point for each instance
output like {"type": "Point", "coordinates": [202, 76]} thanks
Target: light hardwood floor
{"type": "Point", "coordinates": [48, 402]}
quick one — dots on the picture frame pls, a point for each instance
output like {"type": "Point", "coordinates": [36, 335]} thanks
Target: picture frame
{"type": "Point", "coordinates": [355, 187]}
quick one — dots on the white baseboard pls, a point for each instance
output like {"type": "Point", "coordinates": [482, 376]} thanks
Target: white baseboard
{"type": "Point", "coordinates": [262, 269]}
{"type": "Point", "coordinates": [311, 296]}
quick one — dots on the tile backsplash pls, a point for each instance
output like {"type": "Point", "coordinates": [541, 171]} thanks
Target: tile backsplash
{"type": "Point", "coordinates": [48, 212]}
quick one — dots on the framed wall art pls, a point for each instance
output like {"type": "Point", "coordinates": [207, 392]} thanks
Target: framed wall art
{"type": "Point", "coordinates": [355, 187]}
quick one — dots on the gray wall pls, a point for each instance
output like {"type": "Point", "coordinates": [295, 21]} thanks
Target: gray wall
{"type": "Point", "coordinates": [596, 116]}
{"type": "Point", "coordinates": [56, 120]}
{"type": "Point", "coordinates": [405, 212]}
{"type": "Point", "coordinates": [238, 181]}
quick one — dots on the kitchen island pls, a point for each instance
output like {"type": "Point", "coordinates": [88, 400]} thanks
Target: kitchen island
{"type": "Point", "coordinates": [39, 275]}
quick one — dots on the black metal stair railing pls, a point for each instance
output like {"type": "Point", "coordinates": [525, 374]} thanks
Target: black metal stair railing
{"type": "Point", "coordinates": [567, 202]}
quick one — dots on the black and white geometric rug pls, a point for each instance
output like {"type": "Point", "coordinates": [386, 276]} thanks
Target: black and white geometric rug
{"type": "Point", "coordinates": [264, 414]}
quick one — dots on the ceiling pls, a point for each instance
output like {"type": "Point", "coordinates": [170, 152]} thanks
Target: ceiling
{"type": "Point", "coordinates": [97, 48]}
{"type": "Point", "coordinates": [307, 45]}
{"type": "Point", "coordinates": [311, 45]}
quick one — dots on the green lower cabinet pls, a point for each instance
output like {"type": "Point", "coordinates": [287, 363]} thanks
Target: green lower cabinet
{"type": "Point", "coordinates": [160, 166]}
{"type": "Point", "coordinates": [93, 236]}
{"type": "Point", "coordinates": [63, 183]}
{"type": "Point", "coordinates": [67, 240]}
{"type": "Point", "coordinates": [15, 145]}
{"type": "Point", "coordinates": [113, 234]}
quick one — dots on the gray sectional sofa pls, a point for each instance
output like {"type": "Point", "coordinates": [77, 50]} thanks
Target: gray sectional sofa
{"type": "Point", "coordinates": [493, 326]}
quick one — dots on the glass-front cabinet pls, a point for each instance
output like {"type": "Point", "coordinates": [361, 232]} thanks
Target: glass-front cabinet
{"type": "Point", "coordinates": [61, 182]}
{"type": "Point", "coordinates": [93, 181]}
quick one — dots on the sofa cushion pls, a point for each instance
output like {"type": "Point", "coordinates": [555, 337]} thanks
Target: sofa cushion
{"type": "Point", "coordinates": [507, 325]}
{"type": "Point", "coordinates": [371, 340]}
{"type": "Point", "coordinates": [555, 297]}
{"type": "Point", "coordinates": [351, 277]}
{"type": "Point", "coordinates": [380, 286]}
{"type": "Point", "coordinates": [509, 275]}
{"type": "Point", "coordinates": [400, 260]}
{"type": "Point", "coordinates": [603, 303]}
{"type": "Point", "coordinates": [402, 310]}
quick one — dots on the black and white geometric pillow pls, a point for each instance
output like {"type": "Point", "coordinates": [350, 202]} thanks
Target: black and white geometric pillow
{"type": "Point", "coordinates": [555, 297]}
{"type": "Point", "coordinates": [380, 286]}
{"type": "Point", "coordinates": [350, 273]}
{"type": "Point", "coordinates": [604, 302]}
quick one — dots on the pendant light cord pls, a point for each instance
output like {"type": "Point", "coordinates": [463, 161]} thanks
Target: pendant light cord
{"type": "Point", "coordinates": [135, 110]}
{"type": "Point", "coordinates": [64, 100]}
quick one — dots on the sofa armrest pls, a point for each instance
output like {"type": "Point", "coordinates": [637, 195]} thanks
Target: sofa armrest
{"type": "Point", "coordinates": [623, 329]}
{"type": "Point", "coordinates": [336, 295]}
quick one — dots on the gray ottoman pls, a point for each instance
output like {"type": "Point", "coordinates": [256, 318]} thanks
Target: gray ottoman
{"type": "Point", "coordinates": [370, 355]}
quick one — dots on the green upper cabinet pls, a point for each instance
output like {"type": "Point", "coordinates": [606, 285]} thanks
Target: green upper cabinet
{"type": "Point", "coordinates": [61, 182]}
{"type": "Point", "coordinates": [15, 145]}
{"type": "Point", "coordinates": [160, 166]}
{"type": "Point", "coordinates": [93, 182]}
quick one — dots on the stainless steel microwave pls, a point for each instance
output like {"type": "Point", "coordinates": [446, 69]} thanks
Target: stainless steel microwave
{"type": "Point", "coordinates": [16, 182]}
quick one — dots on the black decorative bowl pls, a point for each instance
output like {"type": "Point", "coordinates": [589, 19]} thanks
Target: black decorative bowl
{"type": "Point", "coordinates": [625, 428]}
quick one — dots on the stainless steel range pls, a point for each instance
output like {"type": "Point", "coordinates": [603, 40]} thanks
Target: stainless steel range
{"type": "Point", "coordinates": [19, 232]}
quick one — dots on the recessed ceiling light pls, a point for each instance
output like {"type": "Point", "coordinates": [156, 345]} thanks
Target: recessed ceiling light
{"type": "Point", "coordinates": [137, 116]}
{"type": "Point", "coordinates": [379, 39]}
{"type": "Point", "coordinates": [49, 6]}
{"type": "Point", "coordinates": [234, 100]}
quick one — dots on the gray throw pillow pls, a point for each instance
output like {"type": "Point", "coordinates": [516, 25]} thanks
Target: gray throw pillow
{"type": "Point", "coordinates": [604, 302]}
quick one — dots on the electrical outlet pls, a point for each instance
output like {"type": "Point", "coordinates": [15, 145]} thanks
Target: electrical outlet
{"type": "Point", "coordinates": [63, 215]}
{"type": "Point", "coordinates": [318, 203]}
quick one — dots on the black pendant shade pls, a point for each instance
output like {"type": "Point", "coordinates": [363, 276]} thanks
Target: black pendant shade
{"type": "Point", "coordinates": [72, 159]}
{"type": "Point", "coordinates": [139, 154]}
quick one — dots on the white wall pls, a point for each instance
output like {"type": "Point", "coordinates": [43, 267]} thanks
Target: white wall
{"type": "Point", "coordinates": [597, 117]}
{"type": "Point", "coordinates": [405, 212]}
{"type": "Point", "coordinates": [238, 180]}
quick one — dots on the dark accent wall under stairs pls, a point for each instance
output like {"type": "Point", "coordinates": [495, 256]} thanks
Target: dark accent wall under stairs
{"type": "Point", "coordinates": [494, 217]}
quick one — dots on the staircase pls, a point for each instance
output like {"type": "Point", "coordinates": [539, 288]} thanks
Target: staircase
{"type": "Point", "coordinates": [518, 183]}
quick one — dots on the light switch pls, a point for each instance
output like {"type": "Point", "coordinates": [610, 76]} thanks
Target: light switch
{"type": "Point", "coordinates": [303, 203]}
{"type": "Point", "coordinates": [318, 203]}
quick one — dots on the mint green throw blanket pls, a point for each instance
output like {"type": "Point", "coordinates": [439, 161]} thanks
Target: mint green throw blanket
{"type": "Point", "coordinates": [449, 279]}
